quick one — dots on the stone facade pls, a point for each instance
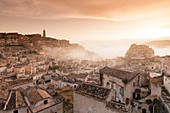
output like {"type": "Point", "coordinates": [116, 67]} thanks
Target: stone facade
{"type": "Point", "coordinates": [123, 82]}
{"type": "Point", "coordinates": [30, 100]}
{"type": "Point", "coordinates": [167, 83]}
{"type": "Point", "coordinates": [94, 99]}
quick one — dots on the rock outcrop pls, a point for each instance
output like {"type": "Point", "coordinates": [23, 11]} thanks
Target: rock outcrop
{"type": "Point", "coordinates": [139, 51]}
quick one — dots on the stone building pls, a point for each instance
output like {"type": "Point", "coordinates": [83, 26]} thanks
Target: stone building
{"type": "Point", "coordinates": [123, 82]}
{"type": "Point", "coordinates": [30, 100]}
{"type": "Point", "coordinates": [44, 33]}
{"type": "Point", "coordinates": [167, 73]}
{"type": "Point", "coordinates": [95, 99]}
{"type": "Point", "coordinates": [155, 85]}
{"type": "Point", "coordinates": [15, 103]}
{"type": "Point", "coordinates": [20, 68]}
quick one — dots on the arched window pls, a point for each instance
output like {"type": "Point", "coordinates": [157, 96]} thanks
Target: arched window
{"type": "Point", "coordinates": [27, 110]}
{"type": "Point", "coordinates": [107, 84]}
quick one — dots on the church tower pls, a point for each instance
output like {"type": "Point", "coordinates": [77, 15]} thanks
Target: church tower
{"type": "Point", "coordinates": [44, 33]}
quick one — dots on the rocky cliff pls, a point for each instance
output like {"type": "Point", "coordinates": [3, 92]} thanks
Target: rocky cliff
{"type": "Point", "coordinates": [139, 51]}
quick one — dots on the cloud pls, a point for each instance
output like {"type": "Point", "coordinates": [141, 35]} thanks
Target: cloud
{"type": "Point", "coordinates": [106, 9]}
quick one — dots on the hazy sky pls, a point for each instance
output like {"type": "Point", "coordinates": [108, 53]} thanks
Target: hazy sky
{"type": "Point", "coordinates": [87, 19]}
{"type": "Point", "coordinates": [81, 20]}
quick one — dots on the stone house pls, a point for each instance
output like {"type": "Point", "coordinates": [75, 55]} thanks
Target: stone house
{"type": "Point", "coordinates": [43, 67]}
{"type": "Point", "coordinates": [40, 101]}
{"type": "Point", "coordinates": [63, 81]}
{"type": "Point", "coordinates": [56, 81]}
{"type": "Point", "coordinates": [23, 59]}
{"type": "Point", "coordinates": [80, 77]}
{"type": "Point", "coordinates": [10, 69]}
{"type": "Point", "coordinates": [20, 68]}
{"type": "Point", "coordinates": [12, 59]}
{"type": "Point", "coordinates": [15, 103]}
{"type": "Point", "coordinates": [2, 69]}
{"type": "Point", "coordinates": [38, 77]}
{"type": "Point", "coordinates": [167, 73]}
{"type": "Point", "coordinates": [167, 82]}
{"type": "Point", "coordinates": [156, 81]}
{"type": "Point", "coordinates": [30, 100]}
{"type": "Point", "coordinates": [156, 84]}
{"type": "Point", "coordinates": [123, 82]}
{"type": "Point", "coordinates": [95, 99]}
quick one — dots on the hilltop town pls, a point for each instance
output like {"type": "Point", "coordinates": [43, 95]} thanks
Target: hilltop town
{"type": "Point", "coordinates": [40, 74]}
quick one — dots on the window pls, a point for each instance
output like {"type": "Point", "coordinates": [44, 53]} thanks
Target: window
{"type": "Point", "coordinates": [45, 102]}
{"type": "Point", "coordinates": [27, 111]}
{"type": "Point", "coordinates": [127, 101]}
{"type": "Point", "coordinates": [107, 84]}
{"type": "Point", "coordinates": [121, 91]}
{"type": "Point", "coordinates": [112, 87]}
{"type": "Point", "coordinates": [15, 111]}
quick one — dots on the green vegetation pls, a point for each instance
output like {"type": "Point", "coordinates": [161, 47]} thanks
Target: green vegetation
{"type": "Point", "coordinates": [132, 104]}
{"type": "Point", "coordinates": [151, 108]}
{"type": "Point", "coordinates": [7, 65]}
{"type": "Point", "coordinates": [148, 101]}
{"type": "Point", "coordinates": [139, 107]}
{"type": "Point", "coordinates": [67, 93]}
{"type": "Point", "coordinates": [33, 52]}
{"type": "Point", "coordinates": [156, 101]}
{"type": "Point", "coordinates": [54, 67]}
{"type": "Point", "coordinates": [56, 94]}
{"type": "Point", "coordinates": [155, 104]}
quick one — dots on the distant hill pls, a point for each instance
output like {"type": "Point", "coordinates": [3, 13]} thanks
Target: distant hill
{"type": "Point", "coordinates": [159, 44]}
{"type": "Point", "coordinates": [59, 49]}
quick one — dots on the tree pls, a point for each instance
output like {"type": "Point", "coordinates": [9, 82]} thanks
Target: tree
{"type": "Point", "coordinates": [148, 101]}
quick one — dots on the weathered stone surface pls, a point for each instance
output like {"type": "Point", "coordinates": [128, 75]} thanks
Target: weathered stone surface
{"type": "Point", "coordinates": [139, 51]}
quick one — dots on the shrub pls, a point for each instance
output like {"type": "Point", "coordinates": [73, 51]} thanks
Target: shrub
{"type": "Point", "coordinates": [155, 101]}
{"type": "Point", "coordinates": [148, 101]}
{"type": "Point", "coordinates": [139, 107]}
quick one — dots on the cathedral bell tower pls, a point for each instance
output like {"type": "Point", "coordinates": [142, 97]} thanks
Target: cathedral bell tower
{"type": "Point", "coordinates": [44, 33]}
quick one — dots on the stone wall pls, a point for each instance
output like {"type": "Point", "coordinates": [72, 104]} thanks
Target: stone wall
{"type": "Point", "coordinates": [56, 108]}
{"type": "Point", "coordinates": [139, 51]}
{"type": "Point", "coordinates": [84, 104]}
{"type": "Point", "coordinates": [167, 83]}
{"type": "Point", "coordinates": [155, 90]}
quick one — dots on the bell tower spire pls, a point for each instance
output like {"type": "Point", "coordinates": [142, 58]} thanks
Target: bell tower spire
{"type": "Point", "coordinates": [44, 33]}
